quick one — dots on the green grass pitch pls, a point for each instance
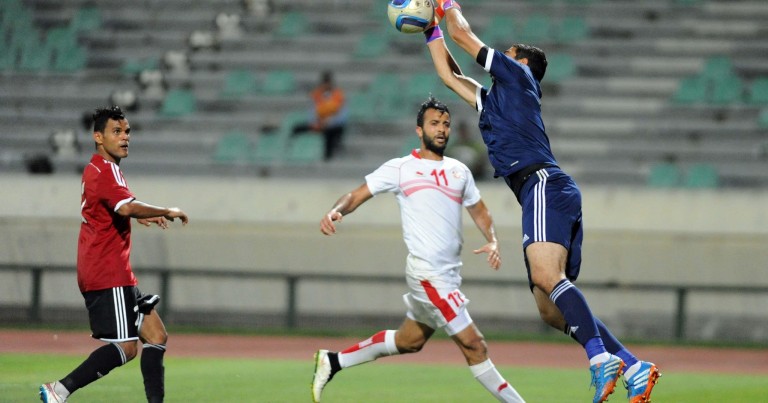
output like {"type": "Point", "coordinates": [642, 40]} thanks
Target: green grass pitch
{"type": "Point", "coordinates": [251, 380]}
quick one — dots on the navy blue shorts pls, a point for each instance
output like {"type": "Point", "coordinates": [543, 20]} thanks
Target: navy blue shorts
{"type": "Point", "coordinates": [551, 204]}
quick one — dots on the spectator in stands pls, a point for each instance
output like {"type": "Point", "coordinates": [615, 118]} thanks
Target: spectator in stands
{"type": "Point", "coordinates": [469, 150]}
{"type": "Point", "coordinates": [328, 114]}
{"type": "Point", "coordinates": [519, 150]}
{"type": "Point", "coordinates": [118, 312]}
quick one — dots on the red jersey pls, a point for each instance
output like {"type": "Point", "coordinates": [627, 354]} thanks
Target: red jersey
{"type": "Point", "coordinates": [104, 246]}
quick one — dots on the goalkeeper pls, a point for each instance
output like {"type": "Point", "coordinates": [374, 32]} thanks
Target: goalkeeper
{"type": "Point", "coordinates": [518, 148]}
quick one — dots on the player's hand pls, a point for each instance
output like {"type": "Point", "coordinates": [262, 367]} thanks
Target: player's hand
{"type": "Point", "coordinates": [327, 225]}
{"type": "Point", "coordinates": [160, 221]}
{"type": "Point", "coordinates": [175, 212]}
{"type": "Point", "coordinates": [442, 6]}
{"type": "Point", "coordinates": [494, 257]}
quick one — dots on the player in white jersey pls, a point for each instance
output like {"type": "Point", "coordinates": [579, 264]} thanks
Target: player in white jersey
{"type": "Point", "coordinates": [431, 190]}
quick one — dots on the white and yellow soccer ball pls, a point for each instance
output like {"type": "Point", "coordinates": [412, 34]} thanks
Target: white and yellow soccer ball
{"type": "Point", "coordinates": [411, 16]}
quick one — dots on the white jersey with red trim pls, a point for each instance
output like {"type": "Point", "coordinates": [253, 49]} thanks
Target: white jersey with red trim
{"type": "Point", "coordinates": [431, 195]}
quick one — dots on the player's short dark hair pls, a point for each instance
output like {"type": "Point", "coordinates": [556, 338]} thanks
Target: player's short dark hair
{"type": "Point", "coordinates": [430, 103]}
{"type": "Point", "coordinates": [537, 60]}
{"type": "Point", "coordinates": [102, 115]}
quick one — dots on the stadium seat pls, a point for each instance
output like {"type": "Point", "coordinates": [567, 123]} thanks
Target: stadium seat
{"type": "Point", "coordinates": [419, 86]}
{"type": "Point", "coordinates": [87, 18]}
{"type": "Point", "coordinates": [758, 92]}
{"type": "Point", "coordinates": [306, 148]}
{"type": "Point", "coordinates": [292, 25]}
{"type": "Point", "coordinates": [664, 175]}
{"type": "Point", "coordinates": [691, 90]}
{"type": "Point", "coordinates": [762, 119]}
{"type": "Point", "coordinates": [727, 90]}
{"type": "Point", "coordinates": [536, 29]}
{"type": "Point", "coordinates": [560, 66]}
{"type": "Point", "coordinates": [278, 82]}
{"type": "Point", "coordinates": [35, 57]}
{"type": "Point", "coordinates": [499, 31]}
{"type": "Point", "coordinates": [372, 45]}
{"type": "Point", "coordinates": [271, 145]}
{"type": "Point", "coordinates": [717, 67]}
{"type": "Point", "coordinates": [70, 60]}
{"type": "Point", "coordinates": [701, 176]}
{"type": "Point", "coordinates": [136, 66]}
{"type": "Point", "coordinates": [411, 142]}
{"type": "Point", "coordinates": [178, 103]}
{"type": "Point", "coordinates": [571, 29]}
{"type": "Point", "coordinates": [239, 83]}
{"type": "Point", "coordinates": [361, 106]}
{"type": "Point", "coordinates": [233, 147]}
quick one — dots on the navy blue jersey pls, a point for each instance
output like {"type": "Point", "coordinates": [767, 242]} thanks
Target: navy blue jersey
{"type": "Point", "coordinates": [510, 116]}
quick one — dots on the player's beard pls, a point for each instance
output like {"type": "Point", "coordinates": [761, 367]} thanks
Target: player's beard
{"type": "Point", "coordinates": [429, 144]}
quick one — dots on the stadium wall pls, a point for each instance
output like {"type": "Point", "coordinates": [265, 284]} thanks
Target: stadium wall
{"type": "Point", "coordinates": [632, 235]}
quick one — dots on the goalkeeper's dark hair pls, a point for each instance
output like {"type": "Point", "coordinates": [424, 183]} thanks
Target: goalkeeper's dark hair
{"type": "Point", "coordinates": [430, 103]}
{"type": "Point", "coordinates": [102, 115]}
{"type": "Point", "coordinates": [537, 59]}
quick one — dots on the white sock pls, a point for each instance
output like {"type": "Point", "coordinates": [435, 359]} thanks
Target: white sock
{"type": "Point", "coordinates": [602, 357]}
{"type": "Point", "coordinates": [381, 344]}
{"type": "Point", "coordinates": [60, 390]}
{"type": "Point", "coordinates": [632, 370]}
{"type": "Point", "coordinates": [491, 379]}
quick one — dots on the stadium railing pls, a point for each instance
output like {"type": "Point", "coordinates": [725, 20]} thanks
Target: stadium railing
{"type": "Point", "coordinates": [682, 292]}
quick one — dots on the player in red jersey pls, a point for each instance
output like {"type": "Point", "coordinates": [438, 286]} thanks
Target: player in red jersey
{"type": "Point", "coordinates": [118, 312]}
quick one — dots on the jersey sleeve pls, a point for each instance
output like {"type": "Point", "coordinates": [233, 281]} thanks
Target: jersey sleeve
{"type": "Point", "coordinates": [385, 178]}
{"type": "Point", "coordinates": [471, 192]}
{"type": "Point", "coordinates": [113, 189]}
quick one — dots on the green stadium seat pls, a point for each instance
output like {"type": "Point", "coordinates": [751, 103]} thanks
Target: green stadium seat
{"type": "Point", "coordinates": [762, 119]}
{"type": "Point", "coordinates": [411, 142]}
{"type": "Point", "coordinates": [372, 45]}
{"type": "Point", "coordinates": [701, 176]}
{"type": "Point", "coordinates": [278, 82]}
{"type": "Point", "coordinates": [70, 60]}
{"type": "Point", "coordinates": [727, 90]}
{"type": "Point", "coordinates": [362, 106]}
{"type": "Point", "coordinates": [136, 66]}
{"type": "Point", "coordinates": [419, 86]}
{"type": "Point", "coordinates": [692, 90]}
{"type": "Point", "coordinates": [87, 18]}
{"type": "Point", "coordinates": [571, 29]}
{"type": "Point", "coordinates": [271, 146]}
{"type": "Point", "coordinates": [758, 92]}
{"type": "Point", "coordinates": [537, 28]}
{"type": "Point", "coordinates": [233, 147]}
{"type": "Point", "coordinates": [35, 57]}
{"type": "Point", "coordinates": [178, 103]}
{"type": "Point", "coordinates": [500, 31]}
{"type": "Point", "coordinates": [717, 67]}
{"type": "Point", "coordinates": [239, 83]}
{"type": "Point", "coordinates": [306, 148]}
{"type": "Point", "coordinates": [560, 66]}
{"type": "Point", "coordinates": [293, 24]}
{"type": "Point", "coordinates": [664, 175]}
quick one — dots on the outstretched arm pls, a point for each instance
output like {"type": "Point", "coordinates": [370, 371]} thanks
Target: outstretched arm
{"type": "Point", "coordinates": [445, 65]}
{"type": "Point", "coordinates": [345, 205]}
{"type": "Point", "coordinates": [148, 213]}
{"type": "Point", "coordinates": [484, 222]}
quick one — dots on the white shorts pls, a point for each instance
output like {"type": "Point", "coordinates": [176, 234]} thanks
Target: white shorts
{"type": "Point", "coordinates": [435, 302]}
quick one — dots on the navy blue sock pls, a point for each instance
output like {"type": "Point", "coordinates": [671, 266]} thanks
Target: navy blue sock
{"type": "Point", "coordinates": [574, 308]}
{"type": "Point", "coordinates": [613, 345]}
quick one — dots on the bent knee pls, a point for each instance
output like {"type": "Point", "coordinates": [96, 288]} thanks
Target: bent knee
{"type": "Point", "coordinates": [158, 337]}
{"type": "Point", "coordinates": [129, 349]}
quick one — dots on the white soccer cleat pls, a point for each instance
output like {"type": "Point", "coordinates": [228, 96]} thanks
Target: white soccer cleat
{"type": "Point", "coordinates": [48, 394]}
{"type": "Point", "coordinates": [322, 374]}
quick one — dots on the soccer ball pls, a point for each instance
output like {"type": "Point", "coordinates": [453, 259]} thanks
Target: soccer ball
{"type": "Point", "coordinates": [411, 16]}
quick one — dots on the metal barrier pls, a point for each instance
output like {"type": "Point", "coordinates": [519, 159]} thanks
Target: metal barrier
{"type": "Point", "coordinates": [292, 280]}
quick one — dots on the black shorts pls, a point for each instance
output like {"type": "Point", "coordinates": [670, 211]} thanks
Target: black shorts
{"type": "Point", "coordinates": [114, 314]}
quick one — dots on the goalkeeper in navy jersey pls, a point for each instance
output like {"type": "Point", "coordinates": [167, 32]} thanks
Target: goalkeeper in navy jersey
{"type": "Point", "coordinates": [519, 151]}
